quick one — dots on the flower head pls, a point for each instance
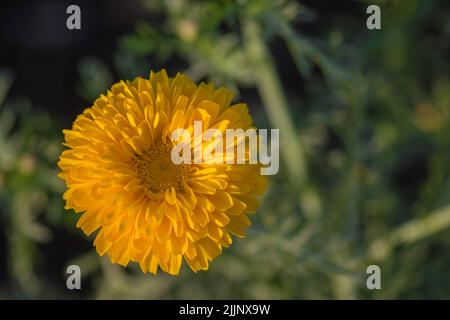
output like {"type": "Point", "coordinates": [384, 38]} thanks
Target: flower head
{"type": "Point", "coordinates": [121, 178]}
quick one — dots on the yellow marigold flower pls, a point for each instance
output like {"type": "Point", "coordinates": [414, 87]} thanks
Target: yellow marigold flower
{"type": "Point", "coordinates": [120, 176]}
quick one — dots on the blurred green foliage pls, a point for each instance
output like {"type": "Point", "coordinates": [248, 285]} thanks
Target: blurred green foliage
{"type": "Point", "coordinates": [364, 118]}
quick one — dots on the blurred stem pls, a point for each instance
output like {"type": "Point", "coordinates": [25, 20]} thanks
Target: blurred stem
{"type": "Point", "coordinates": [351, 87]}
{"type": "Point", "coordinates": [269, 87]}
{"type": "Point", "coordinates": [356, 100]}
{"type": "Point", "coordinates": [412, 231]}
{"type": "Point", "coordinates": [22, 247]}
{"type": "Point", "coordinates": [88, 262]}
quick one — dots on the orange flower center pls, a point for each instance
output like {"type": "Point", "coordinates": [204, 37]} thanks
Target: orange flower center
{"type": "Point", "coordinates": [156, 169]}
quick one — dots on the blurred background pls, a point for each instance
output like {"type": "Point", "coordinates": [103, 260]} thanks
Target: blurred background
{"type": "Point", "coordinates": [364, 118]}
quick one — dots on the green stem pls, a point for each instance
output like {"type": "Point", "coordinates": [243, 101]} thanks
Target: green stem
{"type": "Point", "coordinates": [274, 102]}
{"type": "Point", "coordinates": [412, 231]}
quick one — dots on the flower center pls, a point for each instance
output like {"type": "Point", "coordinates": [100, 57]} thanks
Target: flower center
{"type": "Point", "coordinates": [156, 169]}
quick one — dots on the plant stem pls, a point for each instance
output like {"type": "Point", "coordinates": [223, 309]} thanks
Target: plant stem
{"type": "Point", "coordinates": [412, 231]}
{"type": "Point", "coordinates": [274, 102]}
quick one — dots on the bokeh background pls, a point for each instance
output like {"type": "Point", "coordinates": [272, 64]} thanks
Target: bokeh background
{"type": "Point", "coordinates": [364, 118]}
